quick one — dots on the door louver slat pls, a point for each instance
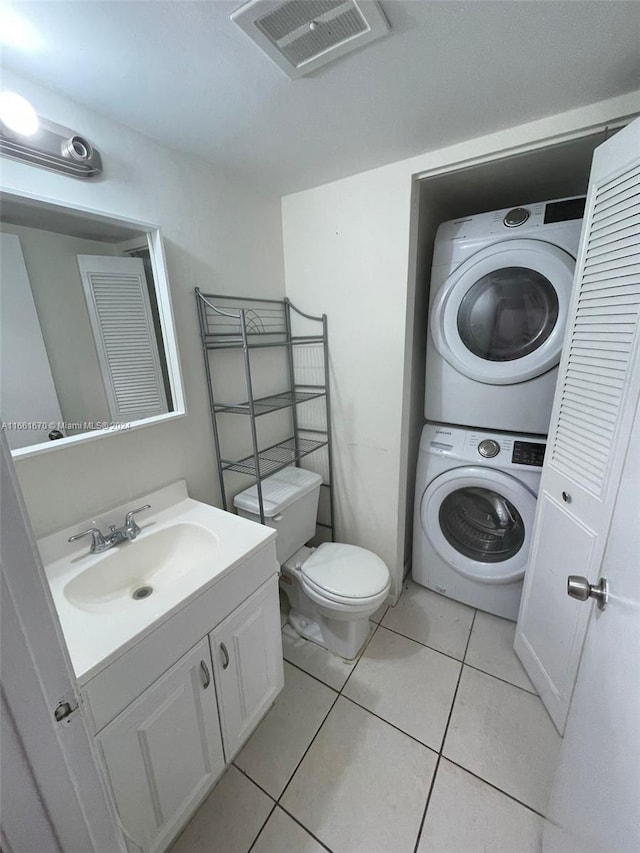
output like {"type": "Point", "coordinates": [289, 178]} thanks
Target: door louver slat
{"type": "Point", "coordinates": [617, 249]}
{"type": "Point", "coordinates": [614, 186]}
{"type": "Point", "coordinates": [624, 275]}
{"type": "Point", "coordinates": [629, 199]}
{"type": "Point", "coordinates": [604, 336]}
{"type": "Point", "coordinates": [628, 218]}
{"type": "Point", "coordinates": [590, 403]}
{"type": "Point", "coordinates": [583, 417]}
{"type": "Point", "coordinates": [610, 240]}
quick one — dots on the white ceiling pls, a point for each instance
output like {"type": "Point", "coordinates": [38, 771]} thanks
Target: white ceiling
{"type": "Point", "coordinates": [183, 74]}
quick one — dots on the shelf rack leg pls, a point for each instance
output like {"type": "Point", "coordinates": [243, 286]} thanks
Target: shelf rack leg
{"type": "Point", "coordinates": [292, 379]}
{"type": "Point", "coordinates": [212, 402]}
{"type": "Point", "coordinates": [327, 385]}
{"type": "Point", "coordinates": [252, 411]}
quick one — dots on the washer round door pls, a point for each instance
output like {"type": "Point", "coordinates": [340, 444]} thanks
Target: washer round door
{"type": "Point", "coordinates": [479, 521]}
{"type": "Point", "coordinates": [500, 317]}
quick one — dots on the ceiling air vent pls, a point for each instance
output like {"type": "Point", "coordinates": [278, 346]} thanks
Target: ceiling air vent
{"type": "Point", "coordinates": [302, 35]}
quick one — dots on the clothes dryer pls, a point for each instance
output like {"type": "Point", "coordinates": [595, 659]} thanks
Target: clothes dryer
{"type": "Point", "coordinates": [475, 504]}
{"type": "Point", "coordinates": [500, 288]}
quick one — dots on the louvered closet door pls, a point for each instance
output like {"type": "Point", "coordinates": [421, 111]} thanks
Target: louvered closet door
{"type": "Point", "coordinates": [122, 323]}
{"type": "Point", "coordinates": [596, 397]}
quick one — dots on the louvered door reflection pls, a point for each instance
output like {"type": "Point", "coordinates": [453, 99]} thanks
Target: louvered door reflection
{"type": "Point", "coordinates": [123, 328]}
{"type": "Point", "coordinates": [596, 396]}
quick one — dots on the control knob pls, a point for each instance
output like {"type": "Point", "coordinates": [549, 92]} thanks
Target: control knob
{"type": "Point", "coordinates": [488, 448]}
{"type": "Point", "coordinates": [515, 217]}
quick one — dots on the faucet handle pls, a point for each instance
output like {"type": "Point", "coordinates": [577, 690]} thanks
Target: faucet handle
{"type": "Point", "coordinates": [97, 539]}
{"type": "Point", "coordinates": [129, 516]}
{"type": "Point", "coordinates": [131, 529]}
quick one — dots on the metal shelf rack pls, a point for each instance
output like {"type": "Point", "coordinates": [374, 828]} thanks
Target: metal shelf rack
{"type": "Point", "coordinates": [246, 324]}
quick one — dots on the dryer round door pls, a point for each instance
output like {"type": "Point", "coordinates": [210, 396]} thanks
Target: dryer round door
{"type": "Point", "coordinates": [500, 317]}
{"type": "Point", "coordinates": [479, 521]}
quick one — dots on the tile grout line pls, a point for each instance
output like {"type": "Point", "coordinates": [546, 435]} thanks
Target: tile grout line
{"type": "Point", "coordinates": [360, 656]}
{"type": "Point", "coordinates": [295, 770]}
{"type": "Point", "coordinates": [311, 742]}
{"type": "Point", "coordinates": [444, 737]}
{"type": "Point", "coordinates": [439, 752]}
{"type": "Point", "coordinates": [424, 645]}
{"type": "Point", "coordinates": [306, 829]}
{"type": "Point", "coordinates": [253, 843]}
{"type": "Point", "coordinates": [495, 787]}
{"type": "Point", "coordinates": [252, 780]}
{"type": "Point", "coordinates": [503, 680]}
{"type": "Point", "coordinates": [392, 725]}
{"type": "Point", "coordinates": [315, 677]}
{"type": "Point", "coordinates": [458, 660]}
{"type": "Point", "coordinates": [324, 683]}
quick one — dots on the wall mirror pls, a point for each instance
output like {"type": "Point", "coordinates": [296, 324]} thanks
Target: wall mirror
{"type": "Point", "coordinates": [87, 339]}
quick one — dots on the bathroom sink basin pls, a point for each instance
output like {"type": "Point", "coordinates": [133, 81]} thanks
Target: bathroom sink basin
{"type": "Point", "coordinates": [107, 602]}
{"type": "Point", "coordinates": [136, 571]}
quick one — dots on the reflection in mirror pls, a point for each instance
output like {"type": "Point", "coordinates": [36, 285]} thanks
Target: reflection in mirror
{"type": "Point", "coordinates": [86, 333]}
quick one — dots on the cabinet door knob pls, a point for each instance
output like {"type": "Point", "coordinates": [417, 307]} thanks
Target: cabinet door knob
{"type": "Point", "coordinates": [225, 656]}
{"type": "Point", "coordinates": [204, 672]}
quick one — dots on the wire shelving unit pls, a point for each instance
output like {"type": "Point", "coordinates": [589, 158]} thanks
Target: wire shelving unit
{"type": "Point", "coordinates": [246, 324]}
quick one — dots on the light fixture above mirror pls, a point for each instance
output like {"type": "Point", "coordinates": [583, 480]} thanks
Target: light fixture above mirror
{"type": "Point", "coordinates": [26, 136]}
{"type": "Point", "coordinates": [88, 341]}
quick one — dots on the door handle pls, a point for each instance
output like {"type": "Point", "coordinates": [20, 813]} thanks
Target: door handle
{"type": "Point", "coordinates": [580, 588]}
{"type": "Point", "coordinates": [204, 673]}
{"type": "Point", "coordinates": [225, 656]}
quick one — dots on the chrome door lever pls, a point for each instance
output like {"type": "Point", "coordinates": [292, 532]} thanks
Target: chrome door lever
{"type": "Point", "coordinates": [580, 588]}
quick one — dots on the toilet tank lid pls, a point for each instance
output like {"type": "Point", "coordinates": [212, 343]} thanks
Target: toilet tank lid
{"type": "Point", "coordinates": [346, 570]}
{"type": "Point", "coordinates": [278, 491]}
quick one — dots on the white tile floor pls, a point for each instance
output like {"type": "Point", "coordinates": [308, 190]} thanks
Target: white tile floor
{"type": "Point", "coordinates": [434, 741]}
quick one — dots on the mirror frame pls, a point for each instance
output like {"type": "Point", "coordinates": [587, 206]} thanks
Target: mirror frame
{"type": "Point", "coordinates": [165, 311]}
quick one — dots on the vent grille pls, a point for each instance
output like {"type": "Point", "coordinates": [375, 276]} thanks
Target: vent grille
{"type": "Point", "coordinates": [317, 33]}
{"type": "Point", "coordinates": [603, 336]}
{"type": "Point", "coordinates": [302, 35]}
{"type": "Point", "coordinates": [290, 17]}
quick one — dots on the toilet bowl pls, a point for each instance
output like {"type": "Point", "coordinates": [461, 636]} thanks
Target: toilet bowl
{"type": "Point", "coordinates": [332, 589]}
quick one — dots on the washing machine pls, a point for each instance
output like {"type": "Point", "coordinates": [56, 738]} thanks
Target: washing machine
{"type": "Point", "coordinates": [475, 503]}
{"type": "Point", "coordinates": [498, 302]}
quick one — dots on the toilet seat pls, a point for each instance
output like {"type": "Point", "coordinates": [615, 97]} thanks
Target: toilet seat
{"type": "Point", "coordinates": [345, 574]}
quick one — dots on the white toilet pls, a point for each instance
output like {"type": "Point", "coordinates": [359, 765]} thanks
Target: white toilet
{"type": "Point", "coordinates": [332, 589]}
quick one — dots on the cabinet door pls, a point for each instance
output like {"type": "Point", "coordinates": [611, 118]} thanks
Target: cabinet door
{"type": "Point", "coordinates": [164, 751]}
{"type": "Point", "coordinates": [247, 661]}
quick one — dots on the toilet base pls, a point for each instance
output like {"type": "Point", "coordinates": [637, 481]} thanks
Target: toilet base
{"type": "Point", "coordinates": [342, 630]}
{"type": "Point", "coordinates": [340, 637]}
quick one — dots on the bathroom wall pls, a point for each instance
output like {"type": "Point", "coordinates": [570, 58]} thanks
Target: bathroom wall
{"type": "Point", "coordinates": [220, 232]}
{"type": "Point", "coordinates": [348, 253]}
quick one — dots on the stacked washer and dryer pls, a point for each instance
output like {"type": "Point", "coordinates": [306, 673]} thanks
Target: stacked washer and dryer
{"type": "Point", "coordinates": [499, 296]}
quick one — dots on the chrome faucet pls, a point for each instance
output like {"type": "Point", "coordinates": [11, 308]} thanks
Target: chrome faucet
{"type": "Point", "coordinates": [102, 542]}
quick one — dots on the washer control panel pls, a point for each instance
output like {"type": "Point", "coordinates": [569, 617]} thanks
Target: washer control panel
{"type": "Point", "coordinates": [528, 453]}
{"type": "Point", "coordinates": [488, 448]}
{"type": "Point", "coordinates": [515, 217]}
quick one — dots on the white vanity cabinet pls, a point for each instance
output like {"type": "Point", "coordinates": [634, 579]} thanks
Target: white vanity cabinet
{"type": "Point", "coordinates": [171, 712]}
{"type": "Point", "coordinates": [247, 661]}
{"type": "Point", "coordinates": [165, 751]}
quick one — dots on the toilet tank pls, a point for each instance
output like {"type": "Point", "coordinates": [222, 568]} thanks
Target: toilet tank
{"type": "Point", "coordinates": [290, 500]}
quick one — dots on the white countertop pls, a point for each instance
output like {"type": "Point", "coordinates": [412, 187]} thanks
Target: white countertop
{"type": "Point", "coordinates": [96, 636]}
